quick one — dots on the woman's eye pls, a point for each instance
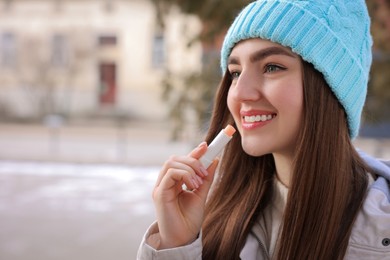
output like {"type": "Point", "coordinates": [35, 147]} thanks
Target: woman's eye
{"type": "Point", "coordinates": [270, 68]}
{"type": "Point", "coordinates": [234, 74]}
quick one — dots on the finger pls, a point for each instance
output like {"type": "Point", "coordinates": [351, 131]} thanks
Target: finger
{"type": "Point", "coordinates": [170, 186]}
{"type": "Point", "coordinates": [204, 189]}
{"type": "Point", "coordinates": [174, 179]}
{"type": "Point", "coordinates": [187, 163]}
{"type": "Point", "coordinates": [198, 151]}
{"type": "Point", "coordinates": [196, 165]}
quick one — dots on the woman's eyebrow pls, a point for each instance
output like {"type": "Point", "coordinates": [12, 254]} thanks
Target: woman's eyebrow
{"type": "Point", "coordinates": [262, 54]}
{"type": "Point", "coordinates": [233, 60]}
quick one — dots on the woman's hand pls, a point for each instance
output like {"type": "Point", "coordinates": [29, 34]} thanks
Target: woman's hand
{"type": "Point", "coordinates": [180, 213]}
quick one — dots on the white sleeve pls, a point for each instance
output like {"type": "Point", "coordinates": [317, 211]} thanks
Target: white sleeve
{"type": "Point", "coordinates": [192, 251]}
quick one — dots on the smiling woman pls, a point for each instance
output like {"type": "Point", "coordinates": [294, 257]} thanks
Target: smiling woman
{"type": "Point", "coordinates": [267, 87]}
{"type": "Point", "coordinates": [290, 184]}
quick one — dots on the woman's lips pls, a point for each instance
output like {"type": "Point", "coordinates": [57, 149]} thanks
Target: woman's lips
{"type": "Point", "coordinates": [254, 119]}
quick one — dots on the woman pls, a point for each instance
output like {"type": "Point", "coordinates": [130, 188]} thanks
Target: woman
{"type": "Point", "coordinates": [290, 185]}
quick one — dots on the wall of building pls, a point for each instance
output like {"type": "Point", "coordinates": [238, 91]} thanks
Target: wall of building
{"type": "Point", "coordinates": [91, 36]}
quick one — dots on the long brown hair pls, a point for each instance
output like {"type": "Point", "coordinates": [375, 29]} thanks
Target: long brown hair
{"type": "Point", "coordinates": [326, 189]}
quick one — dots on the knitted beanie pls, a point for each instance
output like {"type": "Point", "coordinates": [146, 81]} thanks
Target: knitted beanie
{"type": "Point", "coordinates": [333, 35]}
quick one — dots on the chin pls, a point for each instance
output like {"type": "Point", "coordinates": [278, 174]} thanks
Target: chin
{"type": "Point", "coordinates": [253, 150]}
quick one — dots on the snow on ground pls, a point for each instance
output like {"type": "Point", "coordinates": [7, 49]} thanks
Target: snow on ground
{"type": "Point", "coordinates": [73, 211]}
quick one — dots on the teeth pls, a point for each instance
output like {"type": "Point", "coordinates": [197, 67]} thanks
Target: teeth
{"type": "Point", "coordinates": [257, 118]}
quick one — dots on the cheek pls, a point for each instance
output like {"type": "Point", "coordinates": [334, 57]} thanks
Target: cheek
{"type": "Point", "coordinates": [290, 97]}
{"type": "Point", "coordinates": [293, 98]}
{"type": "Point", "coordinates": [232, 106]}
{"type": "Point", "coordinates": [297, 96]}
{"type": "Point", "coordinates": [292, 114]}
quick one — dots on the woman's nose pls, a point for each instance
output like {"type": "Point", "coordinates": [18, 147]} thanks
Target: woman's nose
{"type": "Point", "coordinates": [246, 88]}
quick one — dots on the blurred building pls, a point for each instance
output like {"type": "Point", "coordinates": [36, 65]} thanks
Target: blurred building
{"type": "Point", "coordinates": [90, 57]}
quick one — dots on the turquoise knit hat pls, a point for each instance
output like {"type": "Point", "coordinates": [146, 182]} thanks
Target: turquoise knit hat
{"type": "Point", "coordinates": [333, 35]}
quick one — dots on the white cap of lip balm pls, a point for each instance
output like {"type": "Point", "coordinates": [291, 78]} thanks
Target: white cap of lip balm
{"type": "Point", "coordinates": [217, 145]}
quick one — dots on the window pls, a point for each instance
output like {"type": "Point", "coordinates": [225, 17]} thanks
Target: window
{"type": "Point", "coordinates": [8, 50]}
{"type": "Point", "coordinates": [108, 6]}
{"type": "Point", "coordinates": [7, 5]}
{"type": "Point", "coordinates": [59, 55]}
{"type": "Point", "coordinates": [158, 55]}
{"type": "Point", "coordinates": [107, 40]}
{"type": "Point", "coordinates": [58, 5]}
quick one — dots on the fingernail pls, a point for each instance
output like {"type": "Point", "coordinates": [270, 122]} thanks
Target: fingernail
{"type": "Point", "coordinates": [202, 144]}
{"type": "Point", "coordinates": [195, 183]}
{"type": "Point", "coordinates": [200, 181]}
{"type": "Point", "coordinates": [204, 171]}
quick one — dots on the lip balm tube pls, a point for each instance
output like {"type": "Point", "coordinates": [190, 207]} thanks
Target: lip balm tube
{"type": "Point", "coordinates": [217, 145]}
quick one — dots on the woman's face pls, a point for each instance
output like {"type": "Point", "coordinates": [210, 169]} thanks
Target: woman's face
{"type": "Point", "coordinates": [266, 96]}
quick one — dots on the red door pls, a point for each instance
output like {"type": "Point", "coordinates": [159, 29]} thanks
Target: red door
{"type": "Point", "coordinates": [107, 91]}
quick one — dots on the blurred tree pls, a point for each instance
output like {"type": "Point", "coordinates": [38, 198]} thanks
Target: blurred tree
{"type": "Point", "coordinates": [199, 88]}
{"type": "Point", "coordinates": [217, 15]}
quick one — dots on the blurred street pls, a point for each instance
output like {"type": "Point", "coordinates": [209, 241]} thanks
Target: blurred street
{"type": "Point", "coordinates": [84, 192]}
{"type": "Point", "coordinates": [55, 211]}
{"type": "Point", "coordinates": [79, 192]}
